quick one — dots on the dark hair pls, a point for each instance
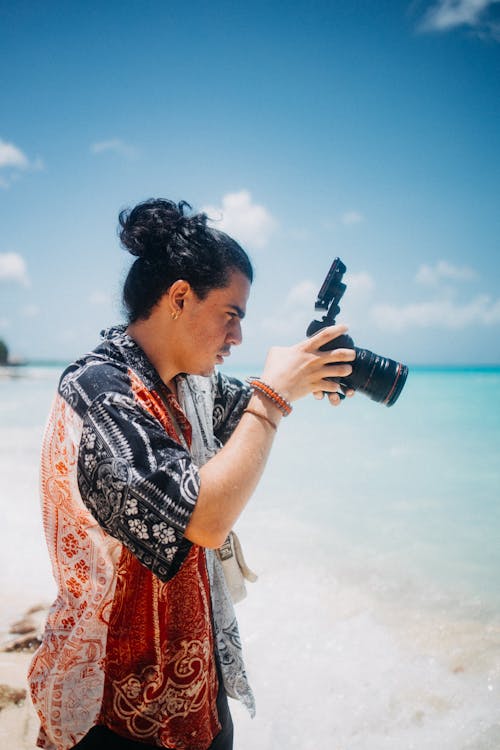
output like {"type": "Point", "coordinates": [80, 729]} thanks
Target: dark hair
{"type": "Point", "coordinates": [170, 245]}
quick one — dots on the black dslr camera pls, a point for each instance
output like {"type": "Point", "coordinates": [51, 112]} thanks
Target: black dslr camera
{"type": "Point", "coordinates": [380, 378]}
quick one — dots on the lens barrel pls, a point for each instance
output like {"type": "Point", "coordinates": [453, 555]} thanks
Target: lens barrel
{"type": "Point", "coordinates": [380, 378]}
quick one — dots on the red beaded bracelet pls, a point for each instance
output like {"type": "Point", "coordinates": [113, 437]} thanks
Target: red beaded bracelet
{"type": "Point", "coordinates": [283, 405]}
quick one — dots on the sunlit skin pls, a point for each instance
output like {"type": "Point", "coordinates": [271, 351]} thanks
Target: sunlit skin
{"type": "Point", "coordinates": [185, 334]}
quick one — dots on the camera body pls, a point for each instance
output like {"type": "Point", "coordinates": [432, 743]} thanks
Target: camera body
{"type": "Point", "coordinates": [380, 378]}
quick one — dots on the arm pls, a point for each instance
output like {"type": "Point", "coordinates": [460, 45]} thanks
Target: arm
{"type": "Point", "coordinates": [229, 478]}
{"type": "Point", "coordinates": [139, 484]}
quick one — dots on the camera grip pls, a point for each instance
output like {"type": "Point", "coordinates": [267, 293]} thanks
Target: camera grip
{"type": "Point", "coordinates": [340, 342]}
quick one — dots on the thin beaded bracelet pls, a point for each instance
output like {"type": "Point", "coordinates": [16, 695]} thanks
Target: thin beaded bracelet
{"type": "Point", "coordinates": [261, 416]}
{"type": "Point", "coordinates": [283, 405]}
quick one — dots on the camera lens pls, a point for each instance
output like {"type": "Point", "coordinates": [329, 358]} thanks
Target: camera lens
{"type": "Point", "coordinates": [380, 378]}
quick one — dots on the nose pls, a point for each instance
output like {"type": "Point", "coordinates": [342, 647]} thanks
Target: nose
{"type": "Point", "coordinates": [235, 336]}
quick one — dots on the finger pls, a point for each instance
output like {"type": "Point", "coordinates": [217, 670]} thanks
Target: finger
{"type": "Point", "coordinates": [318, 395]}
{"type": "Point", "coordinates": [329, 386]}
{"type": "Point", "coordinates": [350, 393]}
{"type": "Point", "coordinates": [334, 399]}
{"type": "Point", "coordinates": [324, 335]}
{"type": "Point", "coordinates": [334, 370]}
{"type": "Point", "coordinates": [338, 355]}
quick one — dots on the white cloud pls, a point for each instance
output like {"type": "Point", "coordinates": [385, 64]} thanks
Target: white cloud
{"type": "Point", "coordinates": [432, 275]}
{"type": "Point", "coordinates": [303, 293]}
{"type": "Point", "coordinates": [448, 14]}
{"type": "Point", "coordinates": [114, 145]}
{"type": "Point", "coordinates": [13, 161]}
{"type": "Point", "coordinates": [438, 313]}
{"type": "Point", "coordinates": [354, 305]}
{"type": "Point", "coordinates": [360, 284]}
{"type": "Point", "coordinates": [12, 156]}
{"type": "Point", "coordinates": [296, 311]}
{"type": "Point", "coordinates": [13, 268]}
{"type": "Point", "coordinates": [241, 218]}
{"type": "Point", "coordinates": [447, 309]}
{"type": "Point", "coordinates": [351, 217]}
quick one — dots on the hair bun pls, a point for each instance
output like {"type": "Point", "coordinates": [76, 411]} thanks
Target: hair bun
{"type": "Point", "coordinates": [148, 230]}
{"type": "Point", "coordinates": [170, 245]}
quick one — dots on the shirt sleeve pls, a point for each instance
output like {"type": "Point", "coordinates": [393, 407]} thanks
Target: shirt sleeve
{"type": "Point", "coordinates": [231, 399]}
{"type": "Point", "coordinates": [139, 484]}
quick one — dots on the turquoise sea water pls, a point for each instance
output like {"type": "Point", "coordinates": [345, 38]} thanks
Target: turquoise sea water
{"type": "Point", "coordinates": [418, 483]}
{"type": "Point", "coordinates": [375, 534]}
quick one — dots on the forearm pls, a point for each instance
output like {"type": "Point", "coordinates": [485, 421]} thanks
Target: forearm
{"type": "Point", "coordinates": [229, 478]}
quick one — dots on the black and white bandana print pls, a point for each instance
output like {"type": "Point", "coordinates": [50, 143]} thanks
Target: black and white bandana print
{"type": "Point", "coordinates": [140, 485]}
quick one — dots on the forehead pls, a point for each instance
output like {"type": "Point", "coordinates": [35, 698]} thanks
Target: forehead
{"type": "Point", "coordinates": [235, 294]}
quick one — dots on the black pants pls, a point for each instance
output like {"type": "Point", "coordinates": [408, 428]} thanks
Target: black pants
{"type": "Point", "coordinates": [102, 738]}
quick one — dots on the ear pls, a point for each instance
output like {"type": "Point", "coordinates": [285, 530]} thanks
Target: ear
{"type": "Point", "coordinates": [177, 294]}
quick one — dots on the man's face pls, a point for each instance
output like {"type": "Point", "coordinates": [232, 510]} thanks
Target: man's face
{"type": "Point", "coordinates": [213, 325]}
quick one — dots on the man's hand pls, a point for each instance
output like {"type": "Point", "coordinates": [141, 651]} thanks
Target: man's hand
{"type": "Point", "coordinates": [298, 370]}
{"type": "Point", "coordinates": [334, 398]}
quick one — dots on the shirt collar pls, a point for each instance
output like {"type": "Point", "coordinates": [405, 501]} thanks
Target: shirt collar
{"type": "Point", "coordinates": [117, 341]}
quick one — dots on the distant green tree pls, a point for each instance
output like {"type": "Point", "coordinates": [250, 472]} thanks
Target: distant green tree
{"type": "Point", "coordinates": [4, 353]}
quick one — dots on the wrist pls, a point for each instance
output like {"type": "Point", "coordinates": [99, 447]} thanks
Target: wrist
{"type": "Point", "coordinates": [267, 393]}
{"type": "Point", "coordinates": [260, 403]}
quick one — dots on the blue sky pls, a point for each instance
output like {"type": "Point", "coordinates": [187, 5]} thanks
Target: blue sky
{"type": "Point", "coordinates": [359, 129]}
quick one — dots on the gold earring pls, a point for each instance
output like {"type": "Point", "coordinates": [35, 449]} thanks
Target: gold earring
{"type": "Point", "coordinates": [175, 314]}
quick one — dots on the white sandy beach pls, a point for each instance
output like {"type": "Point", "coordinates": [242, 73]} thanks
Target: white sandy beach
{"type": "Point", "coordinates": [18, 721]}
{"type": "Point", "coordinates": [380, 673]}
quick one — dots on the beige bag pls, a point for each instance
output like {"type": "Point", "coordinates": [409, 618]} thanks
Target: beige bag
{"type": "Point", "coordinates": [235, 569]}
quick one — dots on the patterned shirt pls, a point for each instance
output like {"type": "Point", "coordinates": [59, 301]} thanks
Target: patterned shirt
{"type": "Point", "coordinates": [129, 641]}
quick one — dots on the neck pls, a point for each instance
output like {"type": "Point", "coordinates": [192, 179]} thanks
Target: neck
{"type": "Point", "coordinates": [157, 344]}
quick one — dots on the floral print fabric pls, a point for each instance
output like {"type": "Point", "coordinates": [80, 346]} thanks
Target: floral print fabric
{"type": "Point", "coordinates": [129, 640]}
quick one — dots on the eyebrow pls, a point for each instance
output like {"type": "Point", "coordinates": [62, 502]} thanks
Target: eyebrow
{"type": "Point", "coordinates": [238, 310]}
